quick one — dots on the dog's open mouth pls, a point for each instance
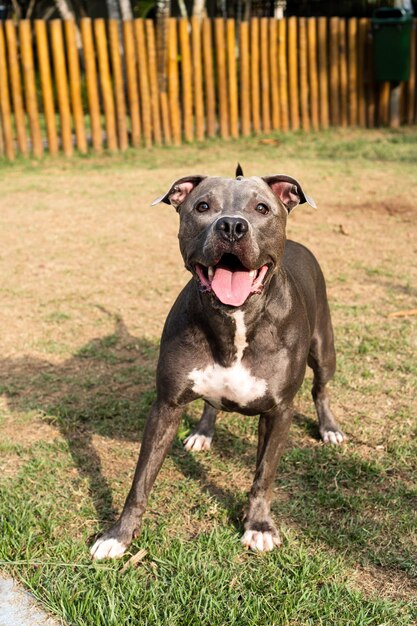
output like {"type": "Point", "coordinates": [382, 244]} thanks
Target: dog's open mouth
{"type": "Point", "coordinates": [230, 280]}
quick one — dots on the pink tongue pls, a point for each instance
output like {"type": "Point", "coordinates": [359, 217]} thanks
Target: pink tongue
{"type": "Point", "coordinates": [231, 287]}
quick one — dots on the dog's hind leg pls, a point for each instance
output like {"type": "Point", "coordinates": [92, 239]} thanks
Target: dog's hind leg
{"type": "Point", "coordinates": [322, 360]}
{"type": "Point", "coordinates": [202, 435]}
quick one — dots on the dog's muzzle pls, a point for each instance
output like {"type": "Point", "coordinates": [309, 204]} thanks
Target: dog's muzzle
{"type": "Point", "coordinates": [230, 281]}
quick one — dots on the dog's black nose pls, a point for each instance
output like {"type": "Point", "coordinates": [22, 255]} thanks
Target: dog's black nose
{"type": "Point", "coordinates": [232, 228]}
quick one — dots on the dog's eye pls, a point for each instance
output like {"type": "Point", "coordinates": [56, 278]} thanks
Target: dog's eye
{"type": "Point", "coordinates": [202, 207]}
{"type": "Point", "coordinates": [262, 208]}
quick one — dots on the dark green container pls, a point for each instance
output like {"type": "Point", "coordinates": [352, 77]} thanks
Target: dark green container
{"type": "Point", "coordinates": [391, 29]}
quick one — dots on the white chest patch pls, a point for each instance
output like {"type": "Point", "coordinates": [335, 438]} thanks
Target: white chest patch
{"type": "Point", "coordinates": [234, 383]}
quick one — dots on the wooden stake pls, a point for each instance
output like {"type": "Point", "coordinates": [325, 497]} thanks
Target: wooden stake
{"type": "Point", "coordinates": [209, 78]}
{"type": "Point", "coordinates": [273, 69]}
{"type": "Point", "coordinates": [91, 79]}
{"type": "Point", "coordinates": [362, 35]}
{"type": "Point", "coordinates": [353, 70]}
{"type": "Point", "coordinates": [153, 82]}
{"type": "Point", "coordinates": [372, 91]}
{"type": "Point", "coordinates": [30, 86]}
{"type": "Point", "coordinates": [75, 85]}
{"type": "Point", "coordinates": [221, 77]}
{"type": "Point", "coordinates": [283, 73]}
{"type": "Point", "coordinates": [105, 82]}
{"type": "Point", "coordinates": [343, 73]}
{"type": "Point", "coordinates": [61, 81]}
{"type": "Point", "coordinates": [244, 79]}
{"type": "Point", "coordinates": [198, 78]}
{"type": "Point", "coordinates": [411, 85]}
{"type": "Point", "coordinates": [304, 87]}
{"type": "Point", "coordinates": [143, 69]}
{"type": "Point", "coordinates": [334, 71]}
{"type": "Point", "coordinates": [232, 79]}
{"type": "Point", "coordinates": [323, 72]}
{"type": "Point", "coordinates": [173, 84]}
{"type": "Point", "coordinates": [1, 134]}
{"type": "Point", "coordinates": [186, 80]}
{"type": "Point", "coordinates": [293, 73]}
{"type": "Point", "coordinates": [132, 83]}
{"type": "Point", "coordinates": [119, 87]}
{"type": "Point", "coordinates": [312, 71]}
{"type": "Point", "coordinates": [5, 112]}
{"type": "Point", "coordinates": [383, 103]}
{"type": "Point", "coordinates": [255, 96]}
{"type": "Point", "coordinates": [46, 83]}
{"type": "Point", "coordinates": [265, 85]}
{"type": "Point", "coordinates": [16, 87]}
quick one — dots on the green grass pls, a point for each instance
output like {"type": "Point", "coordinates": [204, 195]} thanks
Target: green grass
{"type": "Point", "coordinates": [78, 382]}
{"type": "Point", "coordinates": [200, 579]}
{"type": "Point", "coordinates": [395, 147]}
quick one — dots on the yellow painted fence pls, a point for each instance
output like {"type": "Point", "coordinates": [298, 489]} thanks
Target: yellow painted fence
{"type": "Point", "coordinates": [91, 85]}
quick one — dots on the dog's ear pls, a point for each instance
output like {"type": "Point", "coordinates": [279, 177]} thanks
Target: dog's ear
{"type": "Point", "coordinates": [179, 190]}
{"type": "Point", "coordinates": [239, 171]}
{"type": "Point", "coordinates": [288, 190]}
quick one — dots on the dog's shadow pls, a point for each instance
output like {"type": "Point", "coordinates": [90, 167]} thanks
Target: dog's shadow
{"type": "Point", "coordinates": [106, 389]}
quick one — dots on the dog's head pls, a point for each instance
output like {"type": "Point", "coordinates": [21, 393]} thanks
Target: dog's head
{"type": "Point", "coordinates": [232, 231]}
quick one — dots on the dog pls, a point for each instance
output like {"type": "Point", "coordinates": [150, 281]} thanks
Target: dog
{"type": "Point", "coordinates": [240, 335]}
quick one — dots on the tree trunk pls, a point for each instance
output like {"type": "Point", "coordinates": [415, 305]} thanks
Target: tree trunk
{"type": "Point", "coordinates": [163, 10]}
{"type": "Point", "coordinates": [65, 10]}
{"type": "Point", "coordinates": [199, 8]}
{"type": "Point", "coordinates": [16, 9]}
{"type": "Point", "coordinates": [248, 10]}
{"type": "Point", "coordinates": [183, 8]}
{"type": "Point", "coordinates": [113, 9]}
{"type": "Point", "coordinates": [126, 10]}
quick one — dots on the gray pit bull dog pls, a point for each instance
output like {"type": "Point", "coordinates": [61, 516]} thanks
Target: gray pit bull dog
{"type": "Point", "coordinates": [239, 335]}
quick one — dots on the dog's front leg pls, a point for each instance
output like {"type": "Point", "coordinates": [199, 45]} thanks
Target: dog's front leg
{"type": "Point", "coordinates": [160, 429]}
{"type": "Point", "coordinates": [260, 531]}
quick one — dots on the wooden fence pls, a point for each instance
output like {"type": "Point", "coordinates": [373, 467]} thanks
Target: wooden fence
{"type": "Point", "coordinates": [221, 80]}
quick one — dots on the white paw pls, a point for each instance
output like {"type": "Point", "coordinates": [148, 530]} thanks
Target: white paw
{"type": "Point", "coordinates": [107, 549]}
{"type": "Point", "coordinates": [332, 436]}
{"type": "Point", "coordinates": [260, 541]}
{"type": "Point", "coordinates": [197, 442]}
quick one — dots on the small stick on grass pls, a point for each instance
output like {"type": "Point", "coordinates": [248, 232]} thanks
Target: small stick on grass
{"type": "Point", "coordinates": [403, 313]}
{"type": "Point", "coordinates": [134, 560]}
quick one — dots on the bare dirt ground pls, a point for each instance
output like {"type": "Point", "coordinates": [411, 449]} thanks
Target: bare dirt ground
{"type": "Point", "coordinates": [89, 268]}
